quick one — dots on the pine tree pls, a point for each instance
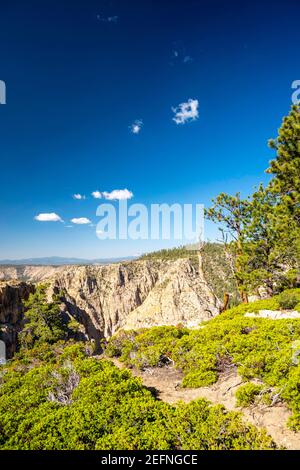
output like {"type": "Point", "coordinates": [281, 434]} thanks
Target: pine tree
{"type": "Point", "coordinates": [232, 213]}
{"type": "Point", "coordinates": [285, 185]}
{"type": "Point", "coordinates": [264, 230]}
{"type": "Point", "coordinates": [286, 166]}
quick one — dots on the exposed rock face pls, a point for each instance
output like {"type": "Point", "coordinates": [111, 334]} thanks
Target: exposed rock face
{"type": "Point", "coordinates": [180, 296]}
{"type": "Point", "coordinates": [136, 294]}
{"type": "Point", "coordinates": [12, 295]}
{"type": "Point", "coordinates": [28, 273]}
{"type": "Point", "coordinates": [123, 295]}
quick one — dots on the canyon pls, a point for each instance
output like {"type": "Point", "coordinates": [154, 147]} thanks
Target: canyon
{"type": "Point", "coordinates": [106, 298]}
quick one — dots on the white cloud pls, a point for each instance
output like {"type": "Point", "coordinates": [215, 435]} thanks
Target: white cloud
{"type": "Point", "coordinates": [48, 217]}
{"type": "Point", "coordinates": [108, 19]}
{"type": "Point", "coordinates": [136, 126]}
{"type": "Point", "coordinates": [186, 112]}
{"type": "Point", "coordinates": [118, 195]}
{"type": "Point", "coordinates": [81, 221]}
{"type": "Point", "coordinates": [112, 19]}
{"type": "Point", "coordinates": [78, 196]}
{"type": "Point", "coordinates": [187, 59]}
{"type": "Point", "coordinates": [97, 194]}
{"type": "Point", "coordinates": [115, 195]}
{"type": "Point", "coordinates": [180, 54]}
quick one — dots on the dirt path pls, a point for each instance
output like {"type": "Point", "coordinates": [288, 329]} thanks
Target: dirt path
{"type": "Point", "coordinates": [165, 382]}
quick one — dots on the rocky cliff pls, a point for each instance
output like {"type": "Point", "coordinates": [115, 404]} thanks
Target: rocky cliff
{"type": "Point", "coordinates": [28, 273]}
{"type": "Point", "coordinates": [181, 295]}
{"type": "Point", "coordinates": [12, 295]}
{"type": "Point", "coordinates": [127, 295]}
{"type": "Point", "coordinates": [136, 294]}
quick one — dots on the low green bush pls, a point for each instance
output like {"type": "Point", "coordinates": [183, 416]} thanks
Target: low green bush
{"type": "Point", "coordinates": [289, 299]}
{"type": "Point", "coordinates": [156, 346]}
{"type": "Point", "coordinates": [78, 402]}
{"type": "Point", "coordinates": [43, 321]}
{"type": "Point", "coordinates": [259, 348]}
{"type": "Point", "coordinates": [247, 394]}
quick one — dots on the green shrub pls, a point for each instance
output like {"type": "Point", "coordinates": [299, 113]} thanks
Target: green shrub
{"type": "Point", "coordinates": [290, 391]}
{"type": "Point", "coordinates": [255, 307]}
{"type": "Point", "coordinates": [289, 299]}
{"type": "Point", "coordinates": [44, 321]}
{"type": "Point", "coordinates": [199, 378]}
{"type": "Point", "coordinates": [247, 394]}
{"type": "Point", "coordinates": [78, 402]}
{"type": "Point", "coordinates": [159, 342]}
{"type": "Point", "coordinates": [259, 348]}
{"type": "Point", "coordinates": [232, 432]}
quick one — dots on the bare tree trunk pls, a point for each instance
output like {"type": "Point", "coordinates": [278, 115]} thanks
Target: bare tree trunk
{"type": "Point", "coordinates": [225, 303]}
{"type": "Point", "coordinates": [244, 296]}
{"type": "Point", "coordinates": [234, 266]}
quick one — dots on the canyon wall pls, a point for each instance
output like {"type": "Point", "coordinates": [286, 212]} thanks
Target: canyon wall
{"type": "Point", "coordinates": [12, 295]}
{"type": "Point", "coordinates": [126, 295]}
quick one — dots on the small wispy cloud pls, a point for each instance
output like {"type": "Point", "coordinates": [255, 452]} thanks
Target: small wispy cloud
{"type": "Point", "coordinates": [81, 221]}
{"type": "Point", "coordinates": [108, 19]}
{"type": "Point", "coordinates": [180, 54]}
{"type": "Point", "coordinates": [136, 126]}
{"type": "Point", "coordinates": [187, 59]}
{"type": "Point", "coordinates": [112, 19]}
{"type": "Point", "coordinates": [48, 217]}
{"type": "Point", "coordinates": [186, 112]}
{"type": "Point", "coordinates": [97, 194]}
{"type": "Point", "coordinates": [79, 196]}
{"type": "Point", "coordinates": [118, 195]}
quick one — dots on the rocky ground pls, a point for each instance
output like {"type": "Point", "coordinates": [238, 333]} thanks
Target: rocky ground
{"type": "Point", "coordinates": [165, 384]}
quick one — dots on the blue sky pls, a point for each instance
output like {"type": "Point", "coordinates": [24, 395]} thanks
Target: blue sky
{"type": "Point", "coordinates": [79, 74]}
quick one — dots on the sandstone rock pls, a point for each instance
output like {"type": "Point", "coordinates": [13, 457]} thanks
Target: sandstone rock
{"type": "Point", "coordinates": [136, 294]}
{"type": "Point", "coordinates": [122, 295]}
{"type": "Point", "coordinates": [28, 273]}
{"type": "Point", "coordinates": [180, 296]}
{"type": "Point", "coordinates": [12, 295]}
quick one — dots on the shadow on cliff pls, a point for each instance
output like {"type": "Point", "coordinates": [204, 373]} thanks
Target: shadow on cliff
{"type": "Point", "coordinates": [91, 333]}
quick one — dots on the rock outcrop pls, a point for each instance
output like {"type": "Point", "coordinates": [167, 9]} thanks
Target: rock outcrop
{"type": "Point", "coordinates": [135, 295]}
{"type": "Point", "coordinates": [12, 295]}
{"type": "Point", "coordinates": [28, 273]}
{"type": "Point", "coordinates": [180, 296]}
{"type": "Point", "coordinates": [123, 295]}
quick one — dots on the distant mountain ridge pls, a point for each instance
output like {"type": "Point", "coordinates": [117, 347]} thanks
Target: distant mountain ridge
{"type": "Point", "coordinates": [61, 261]}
